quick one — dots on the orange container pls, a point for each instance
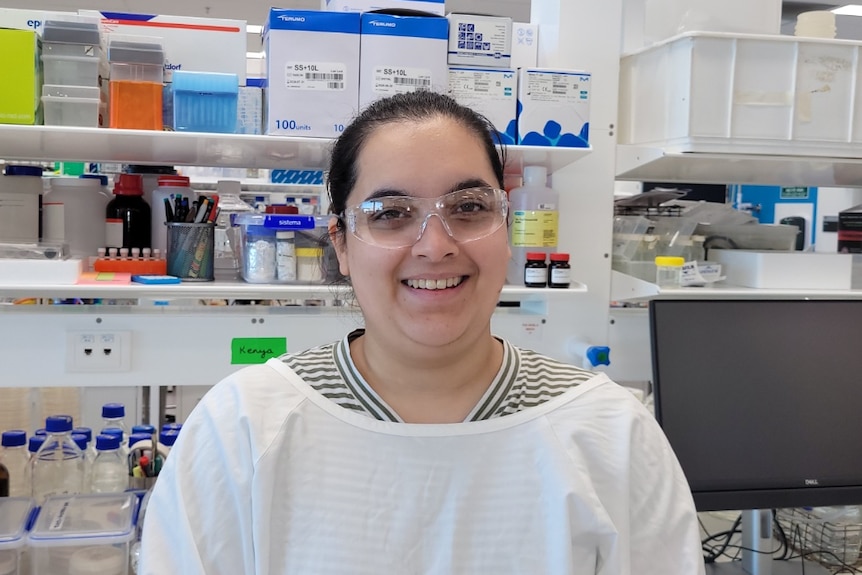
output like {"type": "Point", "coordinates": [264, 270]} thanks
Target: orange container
{"type": "Point", "coordinates": [136, 105]}
{"type": "Point", "coordinates": [132, 265]}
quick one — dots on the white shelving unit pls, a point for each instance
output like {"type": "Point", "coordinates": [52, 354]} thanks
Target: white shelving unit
{"type": "Point", "coordinates": [50, 143]}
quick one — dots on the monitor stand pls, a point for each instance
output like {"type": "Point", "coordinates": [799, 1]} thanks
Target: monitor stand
{"type": "Point", "coordinates": [757, 535]}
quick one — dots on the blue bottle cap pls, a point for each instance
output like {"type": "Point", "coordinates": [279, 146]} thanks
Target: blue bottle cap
{"type": "Point", "coordinates": [41, 431]}
{"type": "Point", "coordinates": [85, 431]}
{"type": "Point", "coordinates": [103, 180]}
{"type": "Point", "coordinates": [151, 429]}
{"type": "Point", "coordinates": [113, 431]}
{"type": "Point", "coordinates": [14, 438]}
{"type": "Point", "coordinates": [58, 424]}
{"type": "Point", "coordinates": [23, 171]}
{"type": "Point", "coordinates": [104, 442]}
{"type": "Point", "coordinates": [36, 442]}
{"type": "Point", "coordinates": [176, 426]}
{"type": "Point", "coordinates": [599, 355]}
{"type": "Point", "coordinates": [80, 440]}
{"type": "Point", "coordinates": [136, 437]}
{"type": "Point", "coordinates": [169, 437]}
{"type": "Point", "coordinates": [113, 410]}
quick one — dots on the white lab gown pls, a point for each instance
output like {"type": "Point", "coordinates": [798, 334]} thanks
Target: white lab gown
{"type": "Point", "coordinates": [269, 477]}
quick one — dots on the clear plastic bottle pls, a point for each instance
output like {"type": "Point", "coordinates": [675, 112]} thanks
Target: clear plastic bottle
{"type": "Point", "coordinates": [110, 470]}
{"type": "Point", "coordinates": [82, 442]}
{"type": "Point", "coordinates": [534, 218]}
{"type": "Point", "coordinates": [116, 431]}
{"type": "Point", "coordinates": [58, 466]}
{"type": "Point", "coordinates": [114, 415]}
{"type": "Point", "coordinates": [33, 445]}
{"type": "Point", "coordinates": [16, 461]}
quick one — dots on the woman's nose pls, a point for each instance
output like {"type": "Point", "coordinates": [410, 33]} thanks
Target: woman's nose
{"type": "Point", "coordinates": [434, 241]}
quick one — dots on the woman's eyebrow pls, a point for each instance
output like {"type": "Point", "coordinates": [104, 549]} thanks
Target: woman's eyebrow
{"type": "Point", "coordinates": [462, 185]}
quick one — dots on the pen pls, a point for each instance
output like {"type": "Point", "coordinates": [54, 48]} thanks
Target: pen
{"type": "Point", "coordinates": [169, 213]}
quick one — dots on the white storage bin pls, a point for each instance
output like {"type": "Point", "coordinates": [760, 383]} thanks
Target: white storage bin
{"type": "Point", "coordinates": [71, 106]}
{"type": "Point", "coordinates": [791, 270]}
{"type": "Point", "coordinates": [712, 92]}
{"type": "Point", "coordinates": [14, 515]}
{"type": "Point", "coordinates": [78, 534]}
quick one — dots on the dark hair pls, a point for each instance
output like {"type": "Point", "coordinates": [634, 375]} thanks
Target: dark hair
{"type": "Point", "coordinates": [409, 107]}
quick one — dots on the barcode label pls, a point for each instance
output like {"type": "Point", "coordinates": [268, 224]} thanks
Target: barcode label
{"type": "Point", "coordinates": [481, 86]}
{"type": "Point", "coordinates": [412, 81]}
{"type": "Point", "coordinates": [396, 79]}
{"type": "Point", "coordinates": [315, 75]}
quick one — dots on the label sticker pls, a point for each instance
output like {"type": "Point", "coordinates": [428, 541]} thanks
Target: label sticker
{"type": "Point", "coordinates": [251, 350]}
{"type": "Point", "coordinates": [314, 76]}
{"type": "Point", "coordinates": [547, 87]}
{"type": "Point", "coordinates": [398, 79]}
{"type": "Point", "coordinates": [535, 229]}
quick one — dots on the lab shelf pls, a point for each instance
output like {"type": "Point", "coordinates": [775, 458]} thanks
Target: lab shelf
{"type": "Point", "coordinates": [237, 289]}
{"type": "Point", "coordinates": [628, 288]}
{"type": "Point", "coordinates": [646, 164]}
{"type": "Point", "coordinates": [50, 143]}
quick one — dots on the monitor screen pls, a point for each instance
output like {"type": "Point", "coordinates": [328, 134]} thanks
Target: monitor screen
{"type": "Point", "coordinates": [761, 399]}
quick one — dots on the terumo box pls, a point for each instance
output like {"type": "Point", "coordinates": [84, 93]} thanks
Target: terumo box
{"type": "Point", "coordinates": [402, 54]}
{"type": "Point", "coordinates": [553, 108]}
{"type": "Point", "coordinates": [779, 269]}
{"type": "Point", "coordinates": [190, 44]}
{"type": "Point", "coordinates": [492, 93]}
{"type": "Point", "coordinates": [312, 72]}
{"type": "Point", "coordinates": [477, 40]}
{"type": "Point", "coordinates": [437, 7]}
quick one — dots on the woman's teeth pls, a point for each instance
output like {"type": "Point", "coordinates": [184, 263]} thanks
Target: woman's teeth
{"type": "Point", "coordinates": [434, 284]}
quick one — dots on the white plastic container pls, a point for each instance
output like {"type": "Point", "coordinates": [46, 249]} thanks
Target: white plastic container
{"type": "Point", "coordinates": [533, 220]}
{"type": "Point", "coordinates": [259, 247]}
{"type": "Point", "coordinates": [71, 106]}
{"type": "Point", "coordinates": [70, 53]}
{"type": "Point", "coordinates": [815, 24]}
{"type": "Point", "coordinates": [20, 188]}
{"type": "Point", "coordinates": [73, 211]}
{"type": "Point", "coordinates": [83, 535]}
{"type": "Point", "coordinates": [712, 92]}
{"type": "Point", "coordinates": [14, 514]}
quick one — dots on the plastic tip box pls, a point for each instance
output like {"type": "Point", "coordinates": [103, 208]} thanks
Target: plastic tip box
{"type": "Point", "coordinates": [205, 102]}
{"type": "Point", "coordinates": [70, 53]}
{"type": "Point", "coordinates": [70, 105]}
{"type": "Point", "coordinates": [74, 533]}
{"type": "Point", "coordinates": [137, 70]}
{"type": "Point", "coordinates": [14, 515]}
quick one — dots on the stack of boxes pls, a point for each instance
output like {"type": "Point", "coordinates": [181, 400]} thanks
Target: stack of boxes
{"type": "Point", "coordinates": [322, 67]}
{"type": "Point", "coordinates": [20, 97]}
{"type": "Point", "coordinates": [480, 73]}
{"type": "Point", "coordinates": [70, 62]}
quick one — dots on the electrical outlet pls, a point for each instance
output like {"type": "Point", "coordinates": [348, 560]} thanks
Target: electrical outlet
{"type": "Point", "coordinates": [98, 351]}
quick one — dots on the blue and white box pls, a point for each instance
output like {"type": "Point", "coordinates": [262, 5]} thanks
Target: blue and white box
{"type": "Point", "coordinates": [553, 108]}
{"type": "Point", "coordinates": [312, 72]}
{"type": "Point", "coordinates": [493, 93]}
{"type": "Point", "coordinates": [402, 54]}
{"type": "Point", "coordinates": [477, 40]}
{"type": "Point", "coordinates": [436, 7]}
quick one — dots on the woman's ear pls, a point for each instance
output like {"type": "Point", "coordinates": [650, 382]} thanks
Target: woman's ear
{"type": "Point", "coordinates": [337, 236]}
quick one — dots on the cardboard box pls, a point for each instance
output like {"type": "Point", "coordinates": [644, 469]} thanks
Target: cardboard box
{"type": "Point", "coordinates": [525, 45]}
{"type": "Point", "coordinates": [780, 269]}
{"type": "Point", "coordinates": [478, 40]}
{"type": "Point", "coordinates": [492, 93]}
{"type": "Point", "coordinates": [20, 98]}
{"type": "Point", "coordinates": [29, 19]}
{"type": "Point", "coordinates": [402, 54]}
{"type": "Point", "coordinates": [437, 7]}
{"type": "Point", "coordinates": [553, 108]}
{"type": "Point", "coordinates": [312, 72]}
{"type": "Point", "coordinates": [191, 44]}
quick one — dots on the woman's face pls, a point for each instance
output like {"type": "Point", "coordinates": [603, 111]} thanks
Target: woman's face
{"type": "Point", "coordinates": [426, 160]}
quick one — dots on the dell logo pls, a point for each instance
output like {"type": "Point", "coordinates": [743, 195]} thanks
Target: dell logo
{"type": "Point", "coordinates": [812, 482]}
{"type": "Point", "coordinates": [292, 18]}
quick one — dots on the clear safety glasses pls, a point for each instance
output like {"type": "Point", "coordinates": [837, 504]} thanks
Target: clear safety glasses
{"type": "Point", "coordinates": [399, 221]}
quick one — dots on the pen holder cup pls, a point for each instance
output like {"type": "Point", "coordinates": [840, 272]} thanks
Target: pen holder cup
{"type": "Point", "coordinates": [190, 251]}
{"type": "Point", "coordinates": [142, 483]}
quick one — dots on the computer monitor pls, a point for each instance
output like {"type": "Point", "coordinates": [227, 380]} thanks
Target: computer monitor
{"type": "Point", "coordinates": [761, 401]}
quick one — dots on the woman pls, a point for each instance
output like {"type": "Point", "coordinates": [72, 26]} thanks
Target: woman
{"type": "Point", "coordinates": [420, 444]}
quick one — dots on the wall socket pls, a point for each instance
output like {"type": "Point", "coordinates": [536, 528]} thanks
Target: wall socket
{"type": "Point", "coordinates": [98, 351]}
